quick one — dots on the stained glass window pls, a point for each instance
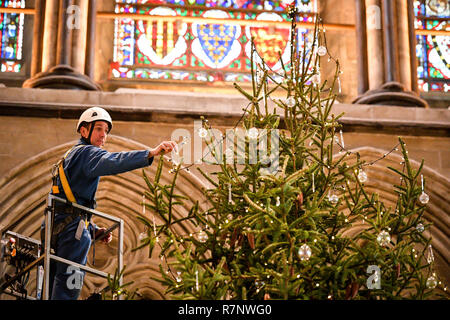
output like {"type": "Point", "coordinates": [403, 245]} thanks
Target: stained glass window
{"type": "Point", "coordinates": [433, 51]}
{"type": "Point", "coordinates": [11, 37]}
{"type": "Point", "coordinates": [179, 43]}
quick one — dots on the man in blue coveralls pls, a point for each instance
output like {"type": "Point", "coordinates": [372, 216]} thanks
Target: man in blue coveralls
{"type": "Point", "coordinates": [83, 166]}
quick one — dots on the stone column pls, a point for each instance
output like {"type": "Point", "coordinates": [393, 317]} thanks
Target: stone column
{"type": "Point", "coordinates": [412, 46]}
{"type": "Point", "coordinates": [403, 44]}
{"type": "Point", "coordinates": [91, 31]}
{"type": "Point", "coordinates": [390, 41]}
{"type": "Point", "coordinates": [361, 35]}
{"type": "Point", "coordinates": [38, 29]}
{"type": "Point", "coordinates": [50, 32]}
{"type": "Point", "coordinates": [79, 34]}
{"type": "Point", "coordinates": [63, 56]}
{"type": "Point", "coordinates": [389, 49]}
{"type": "Point", "coordinates": [64, 44]}
{"type": "Point", "coordinates": [374, 44]}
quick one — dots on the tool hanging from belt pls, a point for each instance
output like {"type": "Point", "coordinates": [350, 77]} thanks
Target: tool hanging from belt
{"type": "Point", "coordinates": [58, 170]}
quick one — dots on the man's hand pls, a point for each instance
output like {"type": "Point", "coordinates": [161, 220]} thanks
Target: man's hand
{"type": "Point", "coordinates": [101, 231]}
{"type": "Point", "coordinates": [163, 147]}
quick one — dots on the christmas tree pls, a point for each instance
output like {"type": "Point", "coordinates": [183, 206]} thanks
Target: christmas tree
{"type": "Point", "coordinates": [282, 226]}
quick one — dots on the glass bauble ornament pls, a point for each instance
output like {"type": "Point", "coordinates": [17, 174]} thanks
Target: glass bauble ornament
{"type": "Point", "coordinates": [383, 238]}
{"type": "Point", "coordinates": [424, 198]}
{"type": "Point", "coordinates": [202, 133]}
{"type": "Point", "coordinates": [431, 282]}
{"type": "Point", "coordinates": [420, 228]}
{"type": "Point", "coordinates": [252, 133]}
{"type": "Point", "coordinates": [202, 236]}
{"type": "Point", "coordinates": [315, 79]}
{"type": "Point", "coordinates": [290, 102]}
{"type": "Point", "coordinates": [321, 51]}
{"type": "Point", "coordinates": [362, 176]}
{"type": "Point", "coordinates": [333, 198]}
{"type": "Point", "coordinates": [304, 252]}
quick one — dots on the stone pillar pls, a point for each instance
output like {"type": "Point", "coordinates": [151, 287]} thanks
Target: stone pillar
{"type": "Point", "coordinates": [38, 30]}
{"type": "Point", "coordinates": [50, 32]}
{"type": "Point", "coordinates": [361, 35]}
{"type": "Point", "coordinates": [374, 44]}
{"type": "Point", "coordinates": [64, 43]}
{"type": "Point", "coordinates": [79, 34]}
{"type": "Point", "coordinates": [91, 31]}
{"type": "Point", "coordinates": [390, 41]}
{"type": "Point", "coordinates": [412, 46]}
{"type": "Point", "coordinates": [64, 47]}
{"type": "Point", "coordinates": [403, 44]}
{"type": "Point", "coordinates": [389, 50]}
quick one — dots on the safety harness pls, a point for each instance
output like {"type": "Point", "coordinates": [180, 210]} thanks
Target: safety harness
{"type": "Point", "coordinates": [63, 178]}
{"type": "Point", "coordinates": [73, 212]}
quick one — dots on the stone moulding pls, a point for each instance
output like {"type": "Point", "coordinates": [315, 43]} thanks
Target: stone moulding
{"type": "Point", "coordinates": [23, 192]}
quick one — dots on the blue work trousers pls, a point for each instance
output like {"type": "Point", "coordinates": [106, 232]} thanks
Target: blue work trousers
{"type": "Point", "coordinates": [66, 281]}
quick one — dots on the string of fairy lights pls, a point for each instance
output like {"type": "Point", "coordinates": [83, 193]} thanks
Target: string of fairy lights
{"type": "Point", "coordinates": [304, 251]}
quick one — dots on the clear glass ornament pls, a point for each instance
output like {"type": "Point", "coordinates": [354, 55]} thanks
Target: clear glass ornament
{"type": "Point", "coordinates": [321, 51]}
{"type": "Point", "coordinates": [252, 133]}
{"type": "Point", "coordinates": [304, 252]}
{"type": "Point", "coordinates": [258, 75]}
{"type": "Point", "coordinates": [290, 102]}
{"type": "Point", "coordinates": [202, 133]}
{"type": "Point", "coordinates": [196, 280]}
{"type": "Point", "coordinates": [202, 236]}
{"type": "Point", "coordinates": [362, 176]}
{"type": "Point", "coordinates": [259, 285]}
{"type": "Point", "coordinates": [278, 201]}
{"type": "Point", "coordinates": [333, 198]}
{"type": "Point", "coordinates": [424, 198]}
{"type": "Point", "coordinates": [342, 139]}
{"type": "Point", "coordinates": [383, 238]}
{"type": "Point", "coordinates": [431, 282]}
{"type": "Point", "coordinates": [336, 139]}
{"type": "Point", "coordinates": [420, 228]}
{"type": "Point", "coordinates": [339, 85]}
{"type": "Point", "coordinates": [430, 255]}
{"type": "Point", "coordinates": [315, 79]}
{"type": "Point", "coordinates": [178, 277]}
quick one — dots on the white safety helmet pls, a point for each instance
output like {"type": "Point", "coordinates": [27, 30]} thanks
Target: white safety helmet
{"type": "Point", "coordinates": [94, 114]}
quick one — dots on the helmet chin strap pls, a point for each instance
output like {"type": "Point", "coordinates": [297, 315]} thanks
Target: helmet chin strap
{"type": "Point", "coordinates": [88, 139]}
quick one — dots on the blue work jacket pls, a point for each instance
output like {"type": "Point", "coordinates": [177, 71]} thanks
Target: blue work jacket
{"type": "Point", "coordinates": [85, 165]}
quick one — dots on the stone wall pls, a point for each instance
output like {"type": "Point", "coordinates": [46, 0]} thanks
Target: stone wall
{"type": "Point", "coordinates": [38, 125]}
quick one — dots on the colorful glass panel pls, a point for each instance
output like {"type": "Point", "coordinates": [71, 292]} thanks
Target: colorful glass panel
{"type": "Point", "coordinates": [194, 42]}
{"type": "Point", "coordinates": [11, 37]}
{"type": "Point", "coordinates": [433, 51]}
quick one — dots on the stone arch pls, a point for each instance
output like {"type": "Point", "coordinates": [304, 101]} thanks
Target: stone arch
{"type": "Point", "coordinates": [23, 194]}
{"type": "Point", "coordinates": [381, 181]}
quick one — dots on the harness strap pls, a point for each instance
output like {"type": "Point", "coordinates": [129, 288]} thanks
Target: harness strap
{"type": "Point", "coordinates": [63, 178]}
{"type": "Point", "coordinates": [69, 194]}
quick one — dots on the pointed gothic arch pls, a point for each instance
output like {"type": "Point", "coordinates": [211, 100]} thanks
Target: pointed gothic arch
{"type": "Point", "coordinates": [24, 190]}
